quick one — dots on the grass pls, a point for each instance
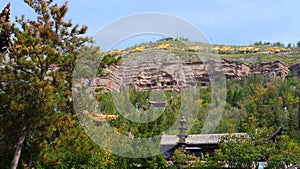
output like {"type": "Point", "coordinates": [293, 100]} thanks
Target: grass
{"type": "Point", "coordinates": [182, 49]}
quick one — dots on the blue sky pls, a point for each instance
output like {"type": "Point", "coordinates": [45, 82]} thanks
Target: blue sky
{"type": "Point", "coordinates": [223, 21]}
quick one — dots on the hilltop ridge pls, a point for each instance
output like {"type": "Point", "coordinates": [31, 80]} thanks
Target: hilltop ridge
{"type": "Point", "coordinates": [193, 73]}
{"type": "Point", "coordinates": [192, 69]}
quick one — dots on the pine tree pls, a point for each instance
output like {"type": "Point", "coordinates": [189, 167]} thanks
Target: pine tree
{"type": "Point", "coordinates": [36, 81]}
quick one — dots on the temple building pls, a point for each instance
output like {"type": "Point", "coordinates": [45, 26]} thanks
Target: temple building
{"type": "Point", "coordinates": [197, 144]}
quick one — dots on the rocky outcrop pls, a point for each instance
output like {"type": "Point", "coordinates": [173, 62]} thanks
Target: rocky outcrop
{"type": "Point", "coordinates": [172, 75]}
{"type": "Point", "coordinates": [234, 69]}
{"type": "Point", "coordinates": [155, 79]}
{"type": "Point", "coordinates": [275, 68]}
{"type": "Point", "coordinates": [296, 69]}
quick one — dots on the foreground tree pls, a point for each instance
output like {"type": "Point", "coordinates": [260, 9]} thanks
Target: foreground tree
{"type": "Point", "coordinates": [35, 80]}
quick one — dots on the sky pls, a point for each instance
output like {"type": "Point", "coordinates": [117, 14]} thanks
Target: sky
{"type": "Point", "coordinates": [232, 22]}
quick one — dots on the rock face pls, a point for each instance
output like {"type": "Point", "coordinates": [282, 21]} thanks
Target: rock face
{"type": "Point", "coordinates": [275, 68]}
{"type": "Point", "coordinates": [155, 79]}
{"type": "Point", "coordinates": [172, 75]}
{"type": "Point", "coordinates": [296, 69]}
{"type": "Point", "coordinates": [234, 69]}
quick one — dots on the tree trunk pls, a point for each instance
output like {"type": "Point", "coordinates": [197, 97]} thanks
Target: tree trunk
{"type": "Point", "coordinates": [19, 146]}
{"type": "Point", "coordinates": [30, 163]}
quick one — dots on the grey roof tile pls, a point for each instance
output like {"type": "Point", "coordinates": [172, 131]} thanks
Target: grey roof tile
{"type": "Point", "coordinates": [198, 138]}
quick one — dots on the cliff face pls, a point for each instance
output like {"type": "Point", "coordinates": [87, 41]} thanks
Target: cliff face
{"type": "Point", "coordinates": [174, 75]}
{"type": "Point", "coordinates": [275, 68]}
{"type": "Point", "coordinates": [296, 69]}
{"type": "Point", "coordinates": [234, 69]}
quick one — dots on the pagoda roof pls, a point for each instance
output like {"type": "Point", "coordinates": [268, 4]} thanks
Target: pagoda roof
{"type": "Point", "coordinates": [198, 139]}
{"type": "Point", "coordinates": [100, 117]}
{"type": "Point", "coordinates": [157, 102]}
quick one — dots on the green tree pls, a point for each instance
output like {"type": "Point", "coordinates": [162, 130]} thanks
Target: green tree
{"type": "Point", "coordinates": [182, 159]}
{"type": "Point", "coordinates": [266, 107]}
{"type": "Point", "coordinates": [247, 152]}
{"type": "Point", "coordinates": [36, 81]}
{"type": "Point", "coordinates": [278, 44]}
{"type": "Point", "coordinates": [298, 44]}
{"type": "Point", "coordinates": [259, 43]}
{"type": "Point", "coordinates": [65, 145]}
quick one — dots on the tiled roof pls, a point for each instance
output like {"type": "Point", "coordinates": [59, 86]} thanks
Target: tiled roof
{"type": "Point", "coordinates": [198, 139]}
{"type": "Point", "coordinates": [169, 140]}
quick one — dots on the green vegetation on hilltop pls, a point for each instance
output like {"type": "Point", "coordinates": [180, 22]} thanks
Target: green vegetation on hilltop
{"type": "Point", "coordinates": [265, 52]}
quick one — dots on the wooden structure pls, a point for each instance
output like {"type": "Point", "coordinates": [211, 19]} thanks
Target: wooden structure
{"type": "Point", "coordinates": [4, 35]}
{"type": "Point", "coordinates": [160, 103]}
{"type": "Point", "coordinates": [98, 118]}
{"type": "Point", "coordinates": [197, 144]}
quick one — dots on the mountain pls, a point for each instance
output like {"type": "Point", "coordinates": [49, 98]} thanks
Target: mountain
{"type": "Point", "coordinates": [173, 65]}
